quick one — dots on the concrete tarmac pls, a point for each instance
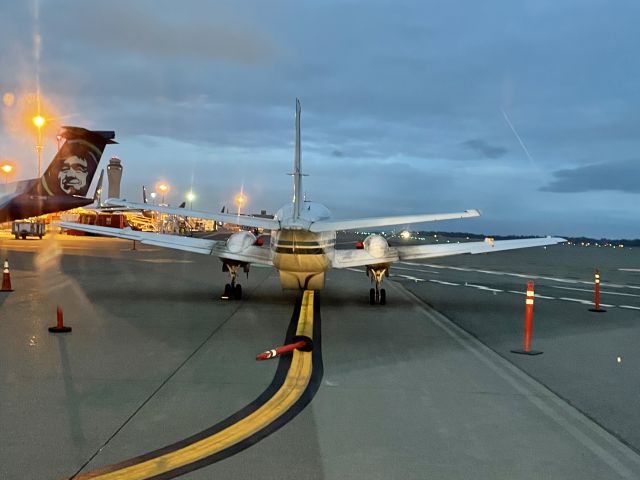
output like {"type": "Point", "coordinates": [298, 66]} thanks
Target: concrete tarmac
{"type": "Point", "coordinates": [156, 356]}
{"type": "Point", "coordinates": [590, 359]}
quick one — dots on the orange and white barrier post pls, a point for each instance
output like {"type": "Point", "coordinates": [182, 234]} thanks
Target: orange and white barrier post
{"type": "Point", "coordinates": [596, 294]}
{"type": "Point", "coordinates": [60, 326]}
{"type": "Point", "coordinates": [528, 324]}
{"type": "Point", "coordinates": [6, 278]}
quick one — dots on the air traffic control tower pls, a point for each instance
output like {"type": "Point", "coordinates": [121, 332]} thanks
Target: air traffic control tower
{"type": "Point", "coordinates": [114, 173]}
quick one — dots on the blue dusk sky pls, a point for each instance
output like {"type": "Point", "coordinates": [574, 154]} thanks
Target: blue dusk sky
{"type": "Point", "coordinates": [526, 110]}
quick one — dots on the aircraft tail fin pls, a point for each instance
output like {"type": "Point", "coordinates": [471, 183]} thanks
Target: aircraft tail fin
{"type": "Point", "coordinates": [297, 172]}
{"type": "Point", "coordinates": [144, 194]}
{"type": "Point", "coordinates": [97, 196]}
{"type": "Point", "coordinates": [75, 164]}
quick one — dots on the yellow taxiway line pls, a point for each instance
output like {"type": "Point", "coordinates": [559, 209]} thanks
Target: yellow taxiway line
{"type": "Point", "coordinates": [293, 387]}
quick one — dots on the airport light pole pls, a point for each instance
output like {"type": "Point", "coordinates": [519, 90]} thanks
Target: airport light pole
{"type": "Point", "coordinates": [164, 188]}
{"type": "Point", "coordinates": [191, 197]}
{"type": "Point", "coordinates": [6, 168]}
{"type": "Point", "coordinates": [39, 122]}
{"type": "Point", "coordinates": [240, 201]}
{"type": "Point", "coordinates": [153, 197]}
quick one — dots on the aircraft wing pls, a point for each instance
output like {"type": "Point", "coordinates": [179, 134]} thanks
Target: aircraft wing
{"type": "Point", "coordinates": [253, 254]}
{"type": "Point", "coordinates": [415, 252]}
{"type": "Point", "coordinates": [355, 258]}
{"type": "Point", "coordinates": [334, 225]}
{"type": "Point", "coordinates": [244, 220]}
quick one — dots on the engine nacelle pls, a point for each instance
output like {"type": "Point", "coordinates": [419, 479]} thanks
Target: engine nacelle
{"type": "Point", "coordinates": [376, 246]}
{"type": "Point", "coordinates": [240, 241]}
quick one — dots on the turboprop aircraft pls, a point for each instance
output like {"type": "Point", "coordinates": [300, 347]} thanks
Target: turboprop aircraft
{"type": "Point", "coordinates": [65, 182]}
{"type": "Point", "coordinates": [303, 237]}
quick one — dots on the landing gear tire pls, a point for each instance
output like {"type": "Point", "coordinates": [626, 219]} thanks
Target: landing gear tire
{"type": "Point", "coordinates": [383, 296]}
{"type": "Point", "coordinates": [237, 292]}
{"type": "Point", "coordinates": [372, 296]}
{"type": "Point", "coordinates": [227, 292]}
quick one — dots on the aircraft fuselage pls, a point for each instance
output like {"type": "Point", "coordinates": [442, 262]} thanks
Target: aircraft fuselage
{"type": "Point", "coordinates": [26, 205]}
{"type": "Point", "coordinates": [300, 256]}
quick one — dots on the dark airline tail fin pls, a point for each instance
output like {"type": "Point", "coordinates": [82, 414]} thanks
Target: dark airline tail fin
{"type": "Point", "coordinates": [75, 164]}
{"type": "Point", "coordinates": [97, 195]}
{"type": "Point", "coordinates": [144, 194]}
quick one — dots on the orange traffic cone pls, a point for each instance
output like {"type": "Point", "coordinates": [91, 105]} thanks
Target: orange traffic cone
{"type": "Point", "coordinates": [6, 278]}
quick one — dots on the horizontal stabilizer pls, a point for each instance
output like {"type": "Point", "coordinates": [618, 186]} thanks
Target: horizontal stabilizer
{"type": "Point", "coordinates": [98, 136]}
{"type": "Point", "coordinates": [416, 252]}
{"type": "Point", "coordinates": [357, 258]}
{"type": "Point", "coordinates": [334, 225]}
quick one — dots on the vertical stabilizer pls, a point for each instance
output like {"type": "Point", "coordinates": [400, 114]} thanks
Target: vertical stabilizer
{"type": "Point", "coordinates": [297, 174]}
{"type": "Point", "coordinates": [97, 196]}
{"type": "Point", "coordinates": [72, 169]}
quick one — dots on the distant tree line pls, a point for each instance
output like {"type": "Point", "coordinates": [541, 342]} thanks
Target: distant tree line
{"type": "Point", "coordinates": [626, 242]}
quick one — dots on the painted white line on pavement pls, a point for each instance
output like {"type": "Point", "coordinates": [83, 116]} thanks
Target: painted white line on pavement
{"type": "Point", "coordinates": [355, 270]}
{"type": "Point", "coordinates": [577, 300]}
{"type": "Point", "coordinates": [395, 267]}
{"type": "Point", "coordinates": [442, 282]}
{"type": "Point", "coordinates": [593, 437]}
{"type": "Point", "coordinates": [537, 295]}
{"type": "Point", "coordinates": [482, 287]}
{"type": "Point", "coordinates": [522, 275]}
{"type": "Point", "coordinates": [591, 290]}
{"type": "Point", "coordinates": [409, 277]}
{"type": "Point", "coordinates": [586, 302]}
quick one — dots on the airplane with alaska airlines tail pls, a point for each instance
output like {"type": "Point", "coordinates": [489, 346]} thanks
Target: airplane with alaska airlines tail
{"type": "Point", "coordinates": [66, 181]}
{"type": "Point", "coordinates": [303, 238]}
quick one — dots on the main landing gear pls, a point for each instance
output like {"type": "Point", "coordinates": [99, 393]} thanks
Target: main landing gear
{"type": "Point", "coordinates": [376, 273]}
{"type": "Point", "coordinates": [233, 290]}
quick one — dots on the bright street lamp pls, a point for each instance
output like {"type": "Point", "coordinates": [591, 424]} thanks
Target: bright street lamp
{"type": "Point", "coordinates": [163, 188]}
{"type": "Point", "coordinates": [6, 168]}
{"type": "Point", "coordinates": [39, 122]}
{"type": "Point", "coordinates": [240, 201]}
{"type": "Point", "coordinates": [191, 197]}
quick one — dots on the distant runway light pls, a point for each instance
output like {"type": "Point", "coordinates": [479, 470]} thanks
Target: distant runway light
{"type": "Point", "coordinates": [619, 359]}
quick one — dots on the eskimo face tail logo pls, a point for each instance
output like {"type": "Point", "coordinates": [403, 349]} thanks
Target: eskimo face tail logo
{"type": "Point", "coordinates": [72, 168]}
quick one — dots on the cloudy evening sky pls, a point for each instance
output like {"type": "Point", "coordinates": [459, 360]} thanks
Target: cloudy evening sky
{"type": "Point", "coordinates": [527, 110]}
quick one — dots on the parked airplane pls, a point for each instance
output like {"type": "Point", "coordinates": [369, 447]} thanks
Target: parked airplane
{"type": "Point", "coordinates": [303, 237]}
{"type": "Point", "coordinates": [65, 182]}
